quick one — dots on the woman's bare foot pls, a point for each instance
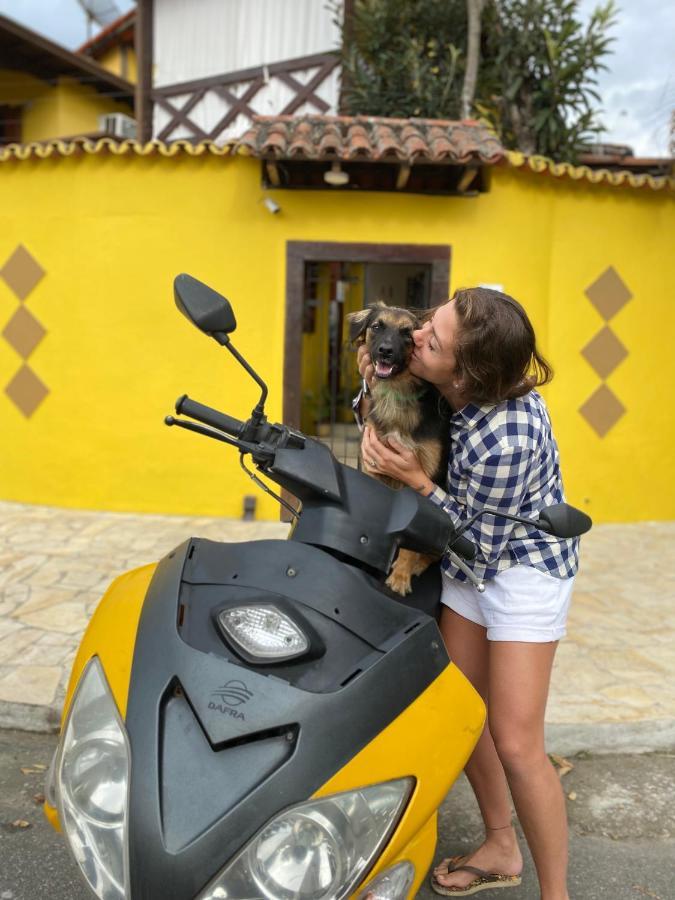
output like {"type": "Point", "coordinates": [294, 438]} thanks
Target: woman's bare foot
{"type": "Point", "coordinates": [499, 854]}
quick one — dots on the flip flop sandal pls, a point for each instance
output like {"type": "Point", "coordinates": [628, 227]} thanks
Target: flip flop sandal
{"type": "Point", "coordinates": [449, 862]}
{"type": "Point", "coordinates": [484, 881]}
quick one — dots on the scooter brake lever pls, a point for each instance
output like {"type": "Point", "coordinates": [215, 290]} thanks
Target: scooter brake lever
{"type": "Point", "coordinates": [242, 446]}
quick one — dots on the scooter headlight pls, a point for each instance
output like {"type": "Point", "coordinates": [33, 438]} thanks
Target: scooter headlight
{"type": "Point", "coordinates": [315, 851]}
{"type": "Point", "coordinates": [92, 780]}
{"type": "Point", "coordinates": [263, 632]}
{"type": "Point", "coordinates": [392, 884]}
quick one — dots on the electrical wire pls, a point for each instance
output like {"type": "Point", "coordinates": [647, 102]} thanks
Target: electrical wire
{"type": "Point", "coordinates": [261, 484]}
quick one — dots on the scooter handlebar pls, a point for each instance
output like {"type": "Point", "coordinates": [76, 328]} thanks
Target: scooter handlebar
{"type": "Point", "coordinates": [209, 416]}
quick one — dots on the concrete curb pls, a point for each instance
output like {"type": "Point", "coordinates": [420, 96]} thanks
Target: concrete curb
{"type": "Point", "coordinates": [27, 717]}
{"type": "Point", "coordinates": [568, 739]}
{"type": "Point", "coordinates": [646, 736]}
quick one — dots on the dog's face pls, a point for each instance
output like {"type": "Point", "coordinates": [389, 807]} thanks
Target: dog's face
{"type": "Point", "coordinates": [387, 332]}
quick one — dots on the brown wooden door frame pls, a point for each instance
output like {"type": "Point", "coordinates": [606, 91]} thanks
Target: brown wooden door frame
{"type": "Point", "coordinates": [300, 252]}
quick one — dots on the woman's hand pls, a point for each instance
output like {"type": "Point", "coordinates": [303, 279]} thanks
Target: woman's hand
{"type": "Point", "coordinates": [394, 460]}
{"type": "Point", "coordinates": [366, 367]}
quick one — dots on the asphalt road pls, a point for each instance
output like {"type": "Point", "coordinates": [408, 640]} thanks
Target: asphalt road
{"type": "Point", "coordinates": [621, 810]}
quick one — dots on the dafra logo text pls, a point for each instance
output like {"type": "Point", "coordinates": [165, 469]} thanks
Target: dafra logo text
{"type": "Point", "coordinates": [228, 697]}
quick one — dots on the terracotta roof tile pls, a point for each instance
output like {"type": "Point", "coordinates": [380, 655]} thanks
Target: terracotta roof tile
{"type": "Point", "coordinates": [371, 138]}
{"type": "Point", "coordinates": [439, 143]}
{"type": "Point", "coordinates": [81, 146]}
{"type": "Point", "coordinates": [387, 143]}
{"type": "Point", "coordinates": [329, 144]}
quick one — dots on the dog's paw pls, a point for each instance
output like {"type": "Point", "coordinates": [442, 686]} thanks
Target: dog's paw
{"type": "Point", "coordinates": [399, 582]}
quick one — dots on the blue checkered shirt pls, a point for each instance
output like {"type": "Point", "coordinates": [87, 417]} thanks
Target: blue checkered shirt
{"type": "Point", "coordinates": [505, 456]}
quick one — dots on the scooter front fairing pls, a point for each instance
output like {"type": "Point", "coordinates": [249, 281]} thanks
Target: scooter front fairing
{"type": "Point", "coordinates": [226, 757]}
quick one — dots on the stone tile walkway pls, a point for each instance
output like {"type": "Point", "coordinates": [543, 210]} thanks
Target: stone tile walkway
{"type": "Point", "coordinates": [617, 664]}
{"type": "Point", "coordinates": [614, 678]}
{"type": "Point", "coordinates": [55, 565]}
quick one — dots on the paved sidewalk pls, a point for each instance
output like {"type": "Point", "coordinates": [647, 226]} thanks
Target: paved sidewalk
{"type": "Point", "coordinates": [614, 678]}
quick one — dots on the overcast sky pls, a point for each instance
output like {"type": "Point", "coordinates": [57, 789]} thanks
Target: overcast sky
{"type": "Point", "coordinates": [638, 91]}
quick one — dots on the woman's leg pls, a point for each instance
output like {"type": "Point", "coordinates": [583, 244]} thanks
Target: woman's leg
{"type": "Point", "coordinates": [469, 649]}
{"type": "Point", "coordinates": [518, 689]}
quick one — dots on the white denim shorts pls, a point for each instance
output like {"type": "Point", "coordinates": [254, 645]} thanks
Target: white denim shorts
{"type": "Point", "coordinates": [519, 604]}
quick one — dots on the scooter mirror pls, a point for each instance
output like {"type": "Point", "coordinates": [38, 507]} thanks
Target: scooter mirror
{"type": "Point", "coordinates": [205, 308]}
{"type": "Point", "coordinates": [564, 521]}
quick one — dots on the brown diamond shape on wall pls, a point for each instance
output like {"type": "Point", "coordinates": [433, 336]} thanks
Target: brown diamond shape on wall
{"type": "Point", "coordinates": [608, 293]}
{"type": "Point", "coordinates": [604, 352]}
{"type": "Point", "coordinates": [21, 272]}
{"type": "Point", "coordinates": [26, 391]}
{"type": "Point", "coordinates": [23, 332]}
{"type": "Point", "coordinates": [602, 410]}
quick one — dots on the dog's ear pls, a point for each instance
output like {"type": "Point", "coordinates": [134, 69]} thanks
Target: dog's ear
{"type": "Point", "coordinates": [358, 322]}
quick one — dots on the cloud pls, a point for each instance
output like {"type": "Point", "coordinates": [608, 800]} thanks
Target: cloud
{"type": "Point", "coordinates": [638, 89]}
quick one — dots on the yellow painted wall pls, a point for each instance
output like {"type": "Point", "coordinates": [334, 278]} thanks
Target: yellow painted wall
{"type": "Point", "coordinates": [17, 87]}
{"type": "Point", "coordinates": [112, 231]}
{"type": "Point", "coordinates": [120, 61]}
{"type": "Point", "coordinates": [628, 474]}
{"type": "Point", "coordinates": [65, 110]}
{"type": "Point", "coordinates": [24, 93]}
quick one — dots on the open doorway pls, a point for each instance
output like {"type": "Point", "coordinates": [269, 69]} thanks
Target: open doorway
{"type": "Point", "coordinates": [326, 282]}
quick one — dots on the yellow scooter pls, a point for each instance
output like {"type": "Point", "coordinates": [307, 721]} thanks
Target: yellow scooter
{"type": "Point", "coordinates": [267, 721]}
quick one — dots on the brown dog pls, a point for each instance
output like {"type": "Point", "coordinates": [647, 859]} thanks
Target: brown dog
{"type": "Point", "coordinates": [403, 407]}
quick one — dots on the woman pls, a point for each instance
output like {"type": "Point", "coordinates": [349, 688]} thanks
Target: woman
{"type": "Point", "coordinates": [479, 350]}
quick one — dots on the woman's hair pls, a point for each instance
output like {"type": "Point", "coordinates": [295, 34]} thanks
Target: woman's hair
{"type": "Point", "coordinates": [496, 348]}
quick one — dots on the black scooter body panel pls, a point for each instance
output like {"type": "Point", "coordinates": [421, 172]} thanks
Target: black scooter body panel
{"type": "Point", "coordinates": [171, 680]}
